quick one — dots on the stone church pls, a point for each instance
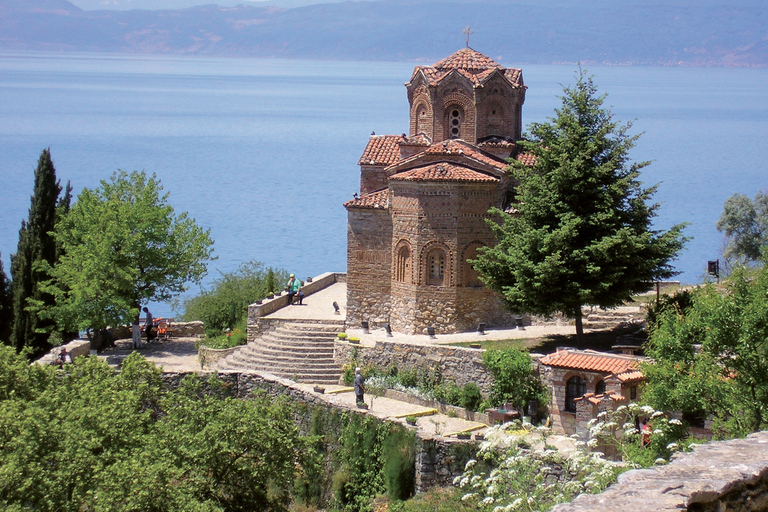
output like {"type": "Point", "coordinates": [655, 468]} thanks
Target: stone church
{"type": "Point", "coordinates": [424, 200]}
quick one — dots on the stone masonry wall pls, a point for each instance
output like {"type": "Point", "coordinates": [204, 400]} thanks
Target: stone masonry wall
{"type": "Point", "coordinates": [725, 476]}
{"type": "Point", "coordinates": [461, 365]}
{"type": "Point", "coordinates": [369, 237]}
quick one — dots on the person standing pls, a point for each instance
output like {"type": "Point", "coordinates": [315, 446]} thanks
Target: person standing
{"type": "Point", "coordinates": [359, 387]}
{"type": "Point", "coordinates": [148, 324]}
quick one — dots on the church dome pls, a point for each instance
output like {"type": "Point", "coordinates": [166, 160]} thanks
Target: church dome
{"type": "Point", "coordinates": [469, 60]}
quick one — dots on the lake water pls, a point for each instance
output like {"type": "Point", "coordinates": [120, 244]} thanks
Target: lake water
{"type": "Point", "coordinates": [264, 152]}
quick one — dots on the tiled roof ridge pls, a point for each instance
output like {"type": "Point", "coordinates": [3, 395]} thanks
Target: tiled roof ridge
{"type": "Point", "coordinates": [443, 171]}
{"type": "Point", "coordinates": [381, 150]}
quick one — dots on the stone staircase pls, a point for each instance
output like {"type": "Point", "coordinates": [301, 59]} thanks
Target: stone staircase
{"type": "Point", "coordinates": [301, 350]}
{"type": "Point", "coordinates": [623, 316]}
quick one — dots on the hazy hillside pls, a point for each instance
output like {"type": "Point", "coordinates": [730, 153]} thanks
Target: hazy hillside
{"type": "Point", "coordinates": [685, 32]}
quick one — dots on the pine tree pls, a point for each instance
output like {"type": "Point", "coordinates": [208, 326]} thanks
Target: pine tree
{"type": "Point", "coordinates": [6, 306]}
{"type": "Point", "coordinates": [36, 244]}
{"type": "Point", "coordinates": [581, 232]}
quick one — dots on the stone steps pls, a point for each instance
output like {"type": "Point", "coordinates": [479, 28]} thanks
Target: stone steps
{"type": "Point", "coordinates": [612, 318]}
{"type": "Point", "coordinates": [299, 350]}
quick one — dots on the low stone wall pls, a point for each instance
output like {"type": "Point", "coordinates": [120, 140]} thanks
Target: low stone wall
{"type": "Point", "coordinates": [459, 364]}
{"type": "Point", "coordinates": [725, 476]}
{"type": "Point", "coordinates": [442, 408]}
{"type": "Point", "coordinates": [208, 356]}
{"type": "Point", "coordinates": [180, 329]}
{"type": "Point", "coordinates": [76, 348]}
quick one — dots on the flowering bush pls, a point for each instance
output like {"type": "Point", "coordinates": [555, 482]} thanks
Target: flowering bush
{"type": "Point", "coordinates": [507, 477]}
{"type": "Point", "coordinates": [617, 432]}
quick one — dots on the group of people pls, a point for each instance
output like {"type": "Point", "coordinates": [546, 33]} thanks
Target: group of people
{"type": "Point", "coordinates": [149, 323]}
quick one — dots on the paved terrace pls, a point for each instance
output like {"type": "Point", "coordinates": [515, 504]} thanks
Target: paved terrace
{"type": "Point", "coordinates": [178, 355]}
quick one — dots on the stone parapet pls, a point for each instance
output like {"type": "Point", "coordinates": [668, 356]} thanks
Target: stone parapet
{"type": "Point", "coordinates": [720, 476]}
{"type": "Point", "coordinates": [76, 348]}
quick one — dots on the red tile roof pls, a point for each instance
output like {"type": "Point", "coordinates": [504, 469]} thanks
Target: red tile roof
{"type": "Point", "coordinates": [381, 150]}
{"type": "Point", "coordinates": [443, 171]}
{"type": "Point", "coordinates": [526, 158]}
{"type": "Point", "coordinates": [378, 199]}
{"type": "Point", "coordinates": [456, 146]}
{"type": "Point", "coordinates": [473, 65]}
{"type": "Point", "coordinates": [592, 361]}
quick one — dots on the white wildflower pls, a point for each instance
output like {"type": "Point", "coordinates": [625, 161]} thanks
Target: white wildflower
{"type": "Point", "coordinates": [657, 414]}
{"type": "Point", "coordinates": [592, 443]}
{"type": "Point", "coordinates": [647, 409]}
{"type": "Point", "coordinates": [457, 480]}
{"type": "Point", "coordinates": [628, 426]}
{"type": "Point", "coordinates": [470, 463]}
{"type": "Point", "coordinates": [658, 431]}
{"type": "Point", "coordinates": [515, 504]}
{"type": "Point", "coordinates": [673, 447]}
{"type": "Point", "coordinates": [660, 461]}
{"type": "Point", "coordinates": [488, 500]}
{"type": "Point", "coordinates": [602, 415]}
{"type": "Point", "coordinates": [675, 421]}
{"type": "Point", "coordinates": [591, 422]}
{"type": "Point", "coordinates": [631, 431]}
{"type": "Point", "coordinates": [621, 408]}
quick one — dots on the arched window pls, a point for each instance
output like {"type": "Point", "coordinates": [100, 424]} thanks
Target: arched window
{"type": "Point", "coordinates": [574, 388]}
{"type": "Point", "coordinates": [454, 123]}
{"type": "Point", "coordinates": [600, 387]}
{"type": "Point", "coordinates": [403, 265]}
{"type": "Point", "coordinates": [436, 267]}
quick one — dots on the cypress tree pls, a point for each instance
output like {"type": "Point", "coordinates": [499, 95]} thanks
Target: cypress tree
{"type": "Point", "coordinates": [36, 244]}
{"type": "Point", "coordinates": [6, 306]}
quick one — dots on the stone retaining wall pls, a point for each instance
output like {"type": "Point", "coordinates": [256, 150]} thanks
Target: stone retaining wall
{"type": "Point", "coordinates": [76, 348]}
{"type": "Point", "coordinates": [459, 364]}
{"type": "Point", "coordinates": [724, 476]}
{"type": "Point", "coordinates": [208, 356]}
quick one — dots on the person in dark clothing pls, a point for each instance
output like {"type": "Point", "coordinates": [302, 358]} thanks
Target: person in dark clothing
{"type": "Point", "coordinates": [359, 387]}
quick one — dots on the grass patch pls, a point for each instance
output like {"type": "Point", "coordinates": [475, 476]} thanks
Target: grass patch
{"type": "Point", "coordinates": [598, 340]}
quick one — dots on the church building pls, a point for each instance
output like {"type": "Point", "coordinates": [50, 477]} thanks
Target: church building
{"type": "Point", "coordinates": [424, 200]}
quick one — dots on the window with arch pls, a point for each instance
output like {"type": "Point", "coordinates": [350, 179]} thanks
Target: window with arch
{"type": "Point", "coordinates": [600, 387]}
{"type": "Point", "coordinates": [422, 118]}
{"type": "Point", "coordinates": [403, 264]}
{"type": "Point", "coordinates": [454, 123]}
{"type": "Point", "coordinates": [574, 388]}
{"type": "Point", "coordinates": [436, 267]}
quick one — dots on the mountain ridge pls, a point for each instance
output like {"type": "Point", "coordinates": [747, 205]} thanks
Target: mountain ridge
{"type": "Point", "coordinates": [683, 33]}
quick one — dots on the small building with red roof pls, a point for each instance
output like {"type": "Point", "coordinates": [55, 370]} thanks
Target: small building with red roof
{"type": "Point", "coordinates": [424, 199]}
{"type": "Point", "coordinates": [584, 383]}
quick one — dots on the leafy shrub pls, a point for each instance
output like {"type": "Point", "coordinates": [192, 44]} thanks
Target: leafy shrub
{"type": "Point", "coordinates": [471, 398]}
{"type": "Point", "coordinates": [408, 377]}
{"type": "Point", "coordinates": [513, 378]}
{"type": "Point", "coordinates": [226, 303]}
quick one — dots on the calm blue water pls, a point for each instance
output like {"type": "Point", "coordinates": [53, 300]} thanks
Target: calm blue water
{"type": "Point", "coordinates": [264, 152]}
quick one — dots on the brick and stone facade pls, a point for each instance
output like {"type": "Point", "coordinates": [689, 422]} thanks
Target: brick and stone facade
{"type": "Point", "coordinates": [425, 197]}
{"type": "Point", "coordinates": [584, 383]}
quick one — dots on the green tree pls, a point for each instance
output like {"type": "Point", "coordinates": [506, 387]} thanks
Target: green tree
{"type": "Point", "coordinates": [122, 244]}
{"type": "Point", "coordinates": [6, 306]}
{"type": "Point", "coordinates": [745, 224]}
{"type": "Point", "coordinates": [712, 358]}
{"type": "Point", "coordinates": [36, 251]}
{"type": "Point", "coordinates": [581, 232]}
{"type": "Point", "coordinates": [226, 304]}
{"type": "Point", "coordinates": [89, 438]}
